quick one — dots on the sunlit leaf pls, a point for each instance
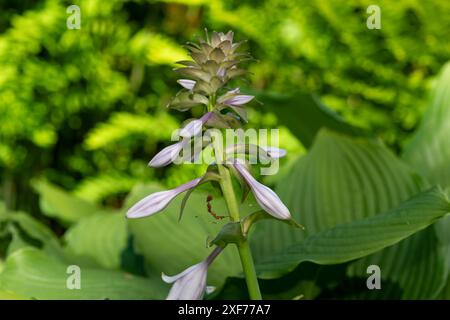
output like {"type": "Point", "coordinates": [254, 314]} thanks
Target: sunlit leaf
{"type": "Point", "coordinates": [359, 238]}
{"type": "Point", "coordinates": [57, 203]}
{"type": "Point", "coordinates": [101, 237]}
{"type": "Point", "coordinates": [31, 273]}
{"type": "Point", "coordinates": [344, 179]}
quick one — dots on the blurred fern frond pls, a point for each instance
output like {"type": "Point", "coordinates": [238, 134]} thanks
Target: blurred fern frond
{"type": "Point", "coordinates": [122, 125]}
{"type": "Point", "coordinates": [156, 48]}
{"type": "Point", "coordinates": [98, 188]}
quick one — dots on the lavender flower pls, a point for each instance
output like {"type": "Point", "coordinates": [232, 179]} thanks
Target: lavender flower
{"type": "Point", "coordinates": [238, 100]}
{"type": "Point", "coordinates": [187, 84]}
{"type": "Point", "coordinates": [191, 283]}
{"type": "Point", "coordinates": [167, 155]}
{"type": "Point", "coordinates": [158, 201]}
{"type": "Point", "coordinates": [266, 198]}
{"type": "Point", "coordinates": [274, 152]}
{"type": "Point", "coordinates": [194, 127]}
{"type": "Point", "coordinates": [252, 149]}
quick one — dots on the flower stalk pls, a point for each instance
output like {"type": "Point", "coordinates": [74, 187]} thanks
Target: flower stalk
{"type": "Point", "coordinates": [243, 246]}
{"type": "Point", "coordinates": [214, 64]}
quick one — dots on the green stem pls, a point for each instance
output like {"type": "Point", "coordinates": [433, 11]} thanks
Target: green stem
{"type": "Point", "coordinates": [243, 247]}
{"type": "Point", "coordinates": [249, 270]}
{"type": "Point", "coordinates": [228, 193]}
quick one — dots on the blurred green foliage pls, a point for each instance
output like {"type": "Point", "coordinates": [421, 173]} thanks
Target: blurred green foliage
{"type": "Point", "coordinates": [84, 108]}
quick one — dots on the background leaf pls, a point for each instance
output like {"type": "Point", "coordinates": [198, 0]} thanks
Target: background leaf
{"type": "Point", "coordinates": [101, 237]}
{"type": "Point", "coordinates": [340, 180]}
{"type": "Point", "coordinates": [27, 231]}
{"type": "Point", "coordinates": [429, 149]}
{"type": "Point", "coordinates": [357, 239]}
{"type": "Point", "coordinates": [57, 203]}
{"type": "Point", "coordinates": [429, 152]}
{"type": "Point", "coordinates": [31, 273]}
{"type": "Point", "coordinates": [304, 115]}
{"type": "Point", "coordinates": [344, 179]}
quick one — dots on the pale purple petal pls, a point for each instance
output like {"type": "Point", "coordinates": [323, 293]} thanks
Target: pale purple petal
{"type": "Point", "coordinates": [191, 129]}
{"type": "Point", "coordinates": [252, 149]}
{"type": "Point", "coordinates": [228, 95]}
{"type": "Point", "coordinates": [167, 155]}
{"type": "Point", "coordinates": [191, 283]}
{"type": "Point", "coordinates": [221, 72]}
{"type": "Point", "coordinates": [194, 127]}
{"type": "Point", "coordinates": [194, 268]}
{"type": "Point", "coordinates": [210, 289]}
{"type": "Point", "coordinates": [274, 152]}
{"type": "Point", "coordinates": [266, 197]}
{"type": "Point", "coordinates": [187, 84]}
{"type": "Point", "coordinates": [158, 201]}
{"type": "Point", "coordinates": [238, 100]}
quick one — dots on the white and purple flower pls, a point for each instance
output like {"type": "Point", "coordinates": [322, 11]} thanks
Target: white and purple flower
{"type": "Point", "coordinates": [158, 201]}
{"type": "Point", "coordinates": [266, 197]}
{"type": "Point", "coordinates": [194, 127]}
{"type": "Point", "coordinates": [191, 283]}
{"type": "Point", "coordinates": [187, 84]}
{"type": "Point", "coordinates": [168, 154]}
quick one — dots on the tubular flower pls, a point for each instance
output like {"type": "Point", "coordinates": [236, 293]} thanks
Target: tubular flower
{"type": "Point", "coordinates": [191, 283]}
{"type": "Point", "coordinates": [253, 150]}
{"type": "Point", "coordinates": [167, 155]}
{"type": "Point", "coordinates": [274, 152]}
{"type": "Point", "coordinates": [187, 84]}
{"type": "Point", "coordinates": [238, 100]}
{"type": "Point", "coordinates": [194, 127]}
{"type": "Point", "coordinates": [266, 197]}
{"type": "Point", "coordinates": [158, 201]}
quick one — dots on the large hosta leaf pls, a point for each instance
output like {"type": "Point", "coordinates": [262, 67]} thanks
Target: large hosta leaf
{"type": "Point", "coordinates": [27, 231]}
{"type": "Point", "coordinates": [344, 179]}
{"type": "Point", "coordinates": [101, 238]}
{"type": "Point", "coordinates": [360, 238]}
{"type": "Point", "coordinates": [57, 203]}
{"type": "Point", "coordinates": [429, 151]}
{"type": "Point", "coordinates": [31, 273]}
{"type": "Point", "coordinates": [445, 293]}
{"type": "Point", "coordinates": [340, 180]}
{"type": "Point", "coordinates": [304, 115]}
{"type": "Point", "coordinates": [170, 246]}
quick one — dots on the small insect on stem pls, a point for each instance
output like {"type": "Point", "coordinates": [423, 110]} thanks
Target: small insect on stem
{"type": "Point", "coordinates": [209, 206]}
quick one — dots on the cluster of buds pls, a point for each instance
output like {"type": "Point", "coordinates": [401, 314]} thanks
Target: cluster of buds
{"type": "Point", "coordinates": [215, 62]}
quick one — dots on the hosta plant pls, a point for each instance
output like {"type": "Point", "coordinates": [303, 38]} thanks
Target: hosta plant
{"type": "Point", "coordinates": [216, 62]}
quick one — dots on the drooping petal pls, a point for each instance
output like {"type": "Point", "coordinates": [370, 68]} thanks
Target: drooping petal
{"type": "Point", "coordinates": [194, 268]}
{"type": "Point", "coordinates": [167, 155]}
{"type": "Point", "coordinates": [274, 152]}
{"type": "Point", "coordinates": [158, 201]}
{"type": "Point", "coordinates": [187, 84]}
{"type": "Point", "coordinates": [238, 100]}
{"type": "Point", "coordinates": [194, 127]}
{"type": "Point", "coordinates": [266, 197]}
{"type": "Point", "coordinates": [252, 149]}
{"type": "Point", "coordinates": [191, 283]}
